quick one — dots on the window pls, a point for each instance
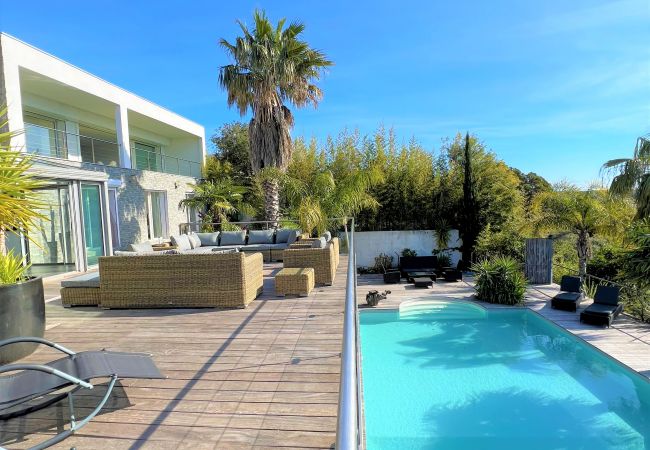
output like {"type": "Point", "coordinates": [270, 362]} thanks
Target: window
{"type": "Point", "coordinates": [114, 218]}
{"type": "Point", "coordinates": [98, 146]}
{"type": "Point", "coordinates": [45, 135]}
{"type": "Point", "coordinates": [157, 214]}
{"type": "Point", "coordinates": [147, 157]}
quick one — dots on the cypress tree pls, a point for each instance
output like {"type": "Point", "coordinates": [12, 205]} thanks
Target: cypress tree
{"type": "Point", "coordinates": [470, 227]}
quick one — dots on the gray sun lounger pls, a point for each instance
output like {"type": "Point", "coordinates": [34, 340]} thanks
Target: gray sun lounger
{"type": "Point", "coordinates": [27, 390]}
{"type": "Point", "coordinates": [605, 308]}
{"type": "Point", "coordinates": [570, 294]}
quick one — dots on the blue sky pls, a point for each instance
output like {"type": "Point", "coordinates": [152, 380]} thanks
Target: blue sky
{"type": "Point", "coordinates": [556, 87]}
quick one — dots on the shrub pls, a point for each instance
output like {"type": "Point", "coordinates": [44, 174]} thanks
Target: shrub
{"type": "Point", "coordinates": [606, 263]}
{"type": "Point", "coordinates": [383, 262]}
{"type": "Point", "coordinates": [444, 259]}
{"type": "Point", "coordinates": [507, 242]}
{"type": "Point", "coordinates": [409, 252]}
{"type": "Point", "coordinates": [500, 280]}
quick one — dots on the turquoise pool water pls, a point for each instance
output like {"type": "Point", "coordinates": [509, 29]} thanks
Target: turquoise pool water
{"type": "Point", "coordinates": [459, 377]}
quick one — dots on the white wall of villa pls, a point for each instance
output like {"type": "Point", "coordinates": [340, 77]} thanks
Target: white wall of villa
{"type": "Point", "coordinates": [85, 131]}
{"type": "Point", "coordinates": [369, 244]}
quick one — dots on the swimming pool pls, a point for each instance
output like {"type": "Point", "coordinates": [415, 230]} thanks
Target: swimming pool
{"type": "Point", "coordinates": [452, 375]}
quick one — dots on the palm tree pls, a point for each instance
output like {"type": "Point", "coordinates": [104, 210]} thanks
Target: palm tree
{"type": "Point", "coordinates": [272, 66]}
{"type": "Point", "coordinates": [319, 196]}
{"type": "Point", "coordinates": [633, 176]}
{"type": "Point", "coordinates": [582, 213]}
{"type": "Point", "coordinates": [217, 200]}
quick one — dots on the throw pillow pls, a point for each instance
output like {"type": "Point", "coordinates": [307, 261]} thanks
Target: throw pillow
{"type": "Point", "coordinates": [233, 238]}
{"type": "Point", "coordinates": [181, 242]}
{"type": "Point", "coordinates": [328, 236]}
{"type": "Point", "coordinates": [319, 243]}
{"type": "Point", "coordinates": [142, 247]}
{"type": "Point", "coordinates": [195, 242]}
{"type": "Point", "coordinates": [209, 239]}
{"type": "Point", "coordinates": [260, 237]}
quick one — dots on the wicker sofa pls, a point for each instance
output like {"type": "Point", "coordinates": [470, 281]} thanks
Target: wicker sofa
{"type": "Point", "coordinates": [324, 261]}
{"type": "Point", "coordinates": [230, 280]}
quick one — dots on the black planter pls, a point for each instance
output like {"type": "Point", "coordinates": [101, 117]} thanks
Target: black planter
{"type": "Point", "coordinates": [22, 313]}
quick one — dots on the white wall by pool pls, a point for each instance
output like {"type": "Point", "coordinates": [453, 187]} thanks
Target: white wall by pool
{"type": "Point", "coordinates": [369, 244]}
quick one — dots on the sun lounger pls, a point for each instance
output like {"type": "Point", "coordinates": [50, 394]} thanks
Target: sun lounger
{"type": "Point", "coordinates": [32, 387]}
{"type": "Point", "coordinates": [570, 294]}
{"type": "Point", "coordinates": [605, 308]}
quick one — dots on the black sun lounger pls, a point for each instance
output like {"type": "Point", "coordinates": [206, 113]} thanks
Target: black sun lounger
{"type": "Point", "coordinates": [570, 294]}
{"type": "Point", "coordinates": [27, 390]}
{"type": "Point", "coordinates": [605, 307]}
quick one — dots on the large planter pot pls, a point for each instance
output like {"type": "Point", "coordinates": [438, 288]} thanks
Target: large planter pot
{"type": "Point", "coordinates": [22, 313]}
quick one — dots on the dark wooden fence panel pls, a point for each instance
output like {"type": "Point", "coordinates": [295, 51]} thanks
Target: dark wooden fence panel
{"type": "Point", "coordinates": [539, 261]}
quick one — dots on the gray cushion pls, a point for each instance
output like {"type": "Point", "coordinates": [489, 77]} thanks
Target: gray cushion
{"type": "Point", "coordinates": [199, 250]}
{"type": "Point", "coordinates": [233, 237]}
{"type": "Point", "coordinates": [208, 239]}
{"type": "Point", "coordinates": [87, 280]}
{"type": "Point", "coordinates": [142, 247]}
{"type": "Point", "coordinates": [195, 242]}
{"type": "Point", "coordinates": [255, 247]}
{"type": "Point", "coordinates": [260, 237]}
{"type": "Point", "coordinates": [278, 246]}
{"type": "Point", "coordinates": [319, 243]}
{"type": "Point", "coordinates": [328, 236]}
{"type": "Point", "coordinates": [287, 236]}
{"type": "Point", "coordinates": [568, 297]}
{"type": "Point", "coordinates": [181, 242]}
{"type": "Point", "coordinates": [225, 250]}
{"type": "Point", "coordinates": [158, 253]}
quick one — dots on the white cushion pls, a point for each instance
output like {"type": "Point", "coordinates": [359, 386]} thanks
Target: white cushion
{"type": "Point", "coordinates": [181, 242]}
{"type": "Point", "coordinates": [195, 242]}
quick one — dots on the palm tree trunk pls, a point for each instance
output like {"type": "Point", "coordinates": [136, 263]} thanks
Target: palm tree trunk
{"type": "Point", "coordinates": [583, 245]}
{"type": "Point", "coordinates": [271, 201]}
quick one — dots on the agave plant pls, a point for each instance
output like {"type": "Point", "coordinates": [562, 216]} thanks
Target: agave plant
{"type": "Point", "coordinates": [499, 280]}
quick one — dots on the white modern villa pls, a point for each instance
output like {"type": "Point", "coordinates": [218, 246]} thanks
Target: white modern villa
{"type": "Point", "coordinates": [116, 165]}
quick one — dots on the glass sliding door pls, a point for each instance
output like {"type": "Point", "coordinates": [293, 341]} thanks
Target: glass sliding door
{"type": "Point", "coordinates": [93, 226]}
{"type": "Point", "coordinates": [50, 247]}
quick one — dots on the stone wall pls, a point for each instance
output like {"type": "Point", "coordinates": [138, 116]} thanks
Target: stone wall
{"type": "Point", "coordinates": [131, 199]}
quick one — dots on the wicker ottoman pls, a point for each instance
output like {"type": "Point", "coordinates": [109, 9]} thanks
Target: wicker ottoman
{"type": "Point", "coordinates": [294, 281]}
{"type": "Point", "coordinates": [82, 290]}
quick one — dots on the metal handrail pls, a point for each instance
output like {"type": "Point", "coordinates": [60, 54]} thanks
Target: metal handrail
{"type": "Point", "coordinates": [349, 427]}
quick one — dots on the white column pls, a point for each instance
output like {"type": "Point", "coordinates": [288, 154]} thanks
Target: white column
{"type": "Point", "coordinates": [122, 128]}
{"type": "Point", "coordinates": [14, 105]}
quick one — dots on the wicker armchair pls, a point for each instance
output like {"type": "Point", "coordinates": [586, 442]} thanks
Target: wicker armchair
{"type": "Point", "coordinates": [230, 280]}
{"type": "Point", "coordinates": [323, 260]}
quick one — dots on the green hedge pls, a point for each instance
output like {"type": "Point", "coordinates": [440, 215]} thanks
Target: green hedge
{"type": "Point", "coordinates": [499, 280]}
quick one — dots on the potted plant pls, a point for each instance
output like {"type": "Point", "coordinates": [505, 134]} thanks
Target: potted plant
{"type": "Point", "coordinates": [22, 303]}
{"type": "Point", "coordinates": [383, 263]}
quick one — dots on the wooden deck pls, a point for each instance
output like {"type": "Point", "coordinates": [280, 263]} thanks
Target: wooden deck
{"type": "Point", "coordinates": [263, 377]}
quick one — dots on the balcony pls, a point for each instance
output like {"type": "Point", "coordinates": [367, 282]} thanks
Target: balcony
{"type": "Point", "coordinates": [55, 143]}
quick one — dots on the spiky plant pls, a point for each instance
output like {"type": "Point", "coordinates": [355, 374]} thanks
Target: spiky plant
{"type": "Point", "coordinates": [20, 203]}
{"type": "Point", "coordinates": [499, 280]}
{"type": "Point", "coordinates": [272, 66]}
{"type": "Point", "coordinates": [633, 176]}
